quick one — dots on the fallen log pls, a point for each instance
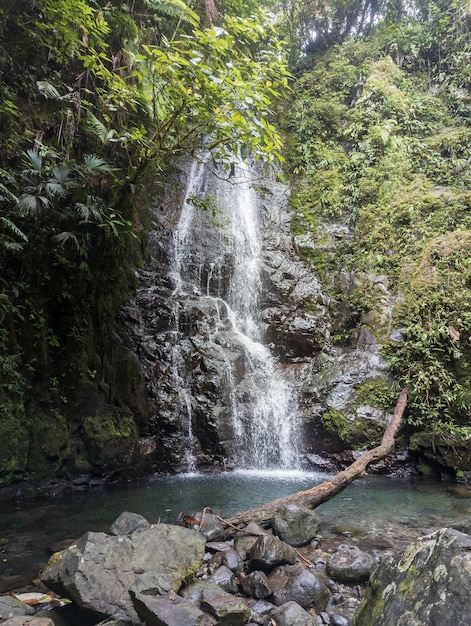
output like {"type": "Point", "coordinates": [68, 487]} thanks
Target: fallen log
{"type": "Point", "coordinates": [315, 496]}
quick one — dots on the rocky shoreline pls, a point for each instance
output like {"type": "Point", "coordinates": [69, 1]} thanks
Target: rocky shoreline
{"type": "Point", "coordinates": [203, 572]}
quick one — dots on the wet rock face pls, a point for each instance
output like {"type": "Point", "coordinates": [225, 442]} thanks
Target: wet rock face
{"type": "Point", "coordinates": [296, 320]}
{"type": "Point", "coordinates": [427, 584]}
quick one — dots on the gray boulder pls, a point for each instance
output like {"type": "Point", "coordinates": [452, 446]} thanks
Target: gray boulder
{"type": "Point", "coordinates": [98, 570]}
{"type": "Point", "coordinates": [291, 614]}
{"type": "Point", "coordinates": [349, 564]}
{"type": "Point", "coordinates": [227, 609]}
{"type": "Point", "coordinates": [169, 609]}
{"type": "Point", "coordinates": [211, 527]}
{"type": "Point", "coordinates": [269, 551]}
{"type": "Point", "coordinates": [428, 583]}
{"type": "Point", "coordinates": [224, 578]}
{"type": "Point", "coordinates": [11, 607]}
{"type": "Point", "coordinates": [127, 523]}
{"type": "Point", "coordinates": [256, 585]}
{"type": "Point", "coordinates": [297, 583]}
{"type": "Point", "coordinates": [296, 525]}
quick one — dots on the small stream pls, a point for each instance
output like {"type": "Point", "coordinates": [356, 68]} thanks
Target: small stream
{"type": "Point", "coordinates": [374, 512]}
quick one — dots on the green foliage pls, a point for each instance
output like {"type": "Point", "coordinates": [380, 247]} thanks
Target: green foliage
{"type": "Point", "coordinates": [379, 141]}
{"type": "Point", "coordinates": [96, 100]}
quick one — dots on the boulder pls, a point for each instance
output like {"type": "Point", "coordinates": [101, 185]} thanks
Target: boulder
{"type": "Point", "coordinates": [349, 564]}
{"type": "Point", "coordinates": [227, 609]}
{"type": "Point", "coordinates": [298, 584]}
{"type": "Point", "coordinates": [296, 525]}
{"type": "Point", "coordinates": [256, 585]}
{"type": "Point", "coordinates": [292, 614]}
{"type": "Point", "coordinates": [169, 609]}
{"type": "Point", "coordinates": [211, 528]}
{"type": "Point", "coordinates": [232, 560]}
{"type": "Point", "coordinates": [98, 570]}
{"type": "Point", "coordinates": [260, 611]}
{"type": "Point", "coordinates": [339, 620]}
{"type": "Point", "coordinates": [269, 551]}
{"type": "Point", "coordinates": [194, 592]}
{"type": "Point", "coordinates": [127, 523]}
{"type": "Point", "coordinates": [224, 578]}
{"type": "Point", "coordinates": [428, 583]}
{"type": "Point", "coordinates": [11, 607]}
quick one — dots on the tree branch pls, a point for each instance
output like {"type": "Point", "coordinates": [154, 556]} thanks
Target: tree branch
{"type": "Point", "coordinates": [315, 496]}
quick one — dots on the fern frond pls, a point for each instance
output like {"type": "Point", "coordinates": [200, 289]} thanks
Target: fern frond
{"type": "Point", "coordinates": [175, 8]}
{"type": "Point", "coordinates": [13, 228]}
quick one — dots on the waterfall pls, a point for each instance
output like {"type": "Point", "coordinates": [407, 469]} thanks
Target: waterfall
{"type": "Point", "coordinates": [216, 261]}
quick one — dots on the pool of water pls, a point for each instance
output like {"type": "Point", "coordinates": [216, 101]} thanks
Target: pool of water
{"type": "Point", "coordinates": [372, 507]}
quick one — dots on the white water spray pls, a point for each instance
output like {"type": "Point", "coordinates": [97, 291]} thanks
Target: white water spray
{"type": "Point", "coordinates": [260, 401]}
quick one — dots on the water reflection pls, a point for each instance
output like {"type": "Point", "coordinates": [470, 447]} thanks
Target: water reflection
{"type": "Point", "coordinates": [399, 509]}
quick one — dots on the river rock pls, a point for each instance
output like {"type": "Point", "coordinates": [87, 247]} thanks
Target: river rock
{"type": "Point", "coordinates": [296, 525]}
{"type": "Point", "coordinates": [256, 584]}
{"type": "Point", "coordinates": [349, 564]}
{"type": "Point", "coordinates": [227, 609]}
{"type": "Point", "coordinates": [224, 578]}
{"type": "Point", "coordinates": [260, 611]}
{"type": "Point", "coordinates": [232, 560]}
{"type": "Point", "coordinates": [169, 609]}
{"type": "Point", "coordinates": [298, 584]}
{"type": "Point", "coordinates": [98, 570]}
{"type": "Point", "coordinates": [194, 592]}
{"type": "Point", "coordinates": [428, 583]}
{"type": "Point", "coordinates": [269, 551]}
{"type": "Point", "coordinates": [127, 523]}
{"type": "Point", "coordinates": [11, 607]}
{"type": "Point", "coordinates": [339, 620]}
{"type": "Point", "coordinates": [292, 614]}
{"type": "Point", "coordinates": [211, 528]}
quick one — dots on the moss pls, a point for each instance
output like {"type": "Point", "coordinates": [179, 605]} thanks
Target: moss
{"type": "Point", "coordinates": [49, 443]}
{"type": "Point", "coordinates": [13, 441]}
{"type": "Point", "coordinates": [354, 431]}
{"type": "Point", "coordinates": [406, 584]}
{"type": "Point", "coordinates": [108, 436]}
{"type": "Point", "coordinates": [372, 606]}
{"type": "Point", "coordinates": [375, 392]}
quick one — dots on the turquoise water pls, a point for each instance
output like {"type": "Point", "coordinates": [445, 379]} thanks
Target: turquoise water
{"type": "Point", "coordinates": [398, 509]}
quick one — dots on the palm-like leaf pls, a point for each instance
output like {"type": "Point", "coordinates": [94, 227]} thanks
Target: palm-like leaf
{"type": "Point", "coordinates": [95, 163]}
{"type": "Point", "coordinates": [48, 90]}
{"type": "Point", "coordinates": [175, 8]}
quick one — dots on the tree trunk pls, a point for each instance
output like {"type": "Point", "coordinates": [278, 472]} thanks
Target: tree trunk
{"type": "Point", "coordinates": [315, 496]}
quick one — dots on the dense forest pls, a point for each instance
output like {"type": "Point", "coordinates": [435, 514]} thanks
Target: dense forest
{"type": "Point", "coordinates": [363, 106]}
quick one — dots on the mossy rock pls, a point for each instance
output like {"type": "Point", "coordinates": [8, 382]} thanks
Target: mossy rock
{"type": "Point", "coordinates": [14, 442]}
{"type": "Point", "coordinates": [109, 437]}
{"type": "Point", "coordinates": [445, 450]}
{"type": "Point", "coordinates": [357, 431]}
{"type": "Point", "coordinates": [49, 444]}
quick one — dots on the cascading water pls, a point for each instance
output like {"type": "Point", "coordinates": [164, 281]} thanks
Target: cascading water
{"type": "Point", "coordinates": [219, 266]}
